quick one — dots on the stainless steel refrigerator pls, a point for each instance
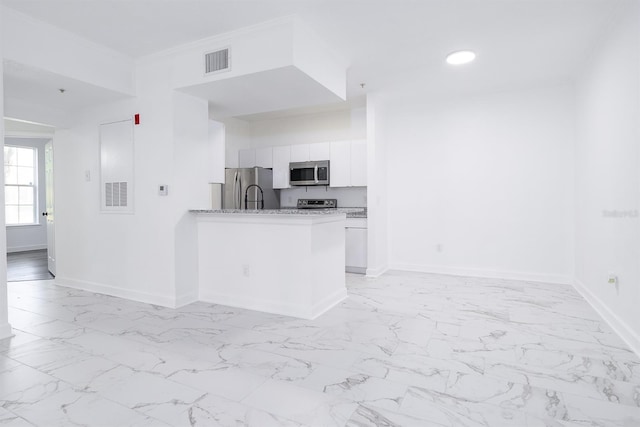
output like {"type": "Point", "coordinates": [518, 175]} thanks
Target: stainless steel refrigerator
{"type": "Point", "coordinates": [253, 185]}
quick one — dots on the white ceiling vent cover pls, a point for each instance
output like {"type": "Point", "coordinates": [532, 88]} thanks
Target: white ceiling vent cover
{"type": "Point", "coordinates": [217, 61]}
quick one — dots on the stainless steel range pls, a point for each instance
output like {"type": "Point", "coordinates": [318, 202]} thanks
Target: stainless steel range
{"type": "Point", "coordinates": [317, 203]}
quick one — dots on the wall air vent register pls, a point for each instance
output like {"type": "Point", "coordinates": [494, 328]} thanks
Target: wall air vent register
{"type": "Point", "coordinates": [217, 61]}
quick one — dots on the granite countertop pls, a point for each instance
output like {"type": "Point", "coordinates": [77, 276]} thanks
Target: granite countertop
{"type": "Point", "coordinates": [350, 212]}
{"type": "Point", "coordinates": [268, 211]}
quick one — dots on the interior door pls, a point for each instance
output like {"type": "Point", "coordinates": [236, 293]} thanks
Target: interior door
{"type": "Point", "coordinates": [49, 212]}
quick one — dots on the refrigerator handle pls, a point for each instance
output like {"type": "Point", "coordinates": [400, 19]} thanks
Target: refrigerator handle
{"type": "Point", "coordinates": [315, 173]}
{"type": "Point", "coordinates": [240, 192]}
{"type": "Point", "coordinates": [235, 191]}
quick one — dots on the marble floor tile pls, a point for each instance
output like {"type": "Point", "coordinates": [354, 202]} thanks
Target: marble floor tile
{"type": "Point", "coordinates": [405, 349]}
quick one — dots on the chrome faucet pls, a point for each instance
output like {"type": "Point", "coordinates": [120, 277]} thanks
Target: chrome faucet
{"type": "Point", "coordinates": [246, 196]}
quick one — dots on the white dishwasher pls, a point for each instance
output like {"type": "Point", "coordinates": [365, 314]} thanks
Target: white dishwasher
{"type": "Point", "coordinates": [356, 245]}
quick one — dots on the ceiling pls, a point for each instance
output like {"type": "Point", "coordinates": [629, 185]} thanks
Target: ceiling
{"type": "Point", "coordinates": [385, 42]}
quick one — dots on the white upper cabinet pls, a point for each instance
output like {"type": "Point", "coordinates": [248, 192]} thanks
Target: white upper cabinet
{"type": "Point", "coordinates": [300, 153]}
{"type": "Point", "coordinates": [320, 151]}
{"type": "Point", "coordinates": [264, 157]}
{"type": "Point", "coordinates": [359, 163]}
{"type": "Point", "coordinates": [340, 162]}
{"type": "Point", "coordinates": [281, 159]}
{"type": "Point", "coordinates": [247, 158]}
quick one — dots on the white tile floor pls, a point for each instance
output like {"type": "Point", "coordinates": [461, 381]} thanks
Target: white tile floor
{"type": "Point", "coordinates": [405, 349]}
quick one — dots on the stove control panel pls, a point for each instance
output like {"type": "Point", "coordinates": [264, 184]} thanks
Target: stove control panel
{"type": "Point", "coordinates": [317, 203]}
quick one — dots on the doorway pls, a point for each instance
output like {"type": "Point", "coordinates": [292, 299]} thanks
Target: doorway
{"type": "Point", "coordinates": [28, 207]}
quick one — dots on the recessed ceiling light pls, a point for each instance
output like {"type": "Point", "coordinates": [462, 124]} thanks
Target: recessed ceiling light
{"type": "Point", "coordinates": [461, 57]}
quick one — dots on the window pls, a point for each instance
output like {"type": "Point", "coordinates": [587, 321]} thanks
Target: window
{"type": "Point", "coordinates": [20, 185]}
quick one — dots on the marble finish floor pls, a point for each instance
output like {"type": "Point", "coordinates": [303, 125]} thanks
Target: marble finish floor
{"type": "Point", "coordinates": [403, 350]}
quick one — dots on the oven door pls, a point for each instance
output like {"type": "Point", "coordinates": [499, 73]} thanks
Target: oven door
{"type": "Point", "coordinates": [309, 173]}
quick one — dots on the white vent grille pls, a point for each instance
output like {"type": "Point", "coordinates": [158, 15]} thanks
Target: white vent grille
{"type": "Point", "coordinates": [216, 61]}
{"type": "Point", "coordinates": [115, 194]}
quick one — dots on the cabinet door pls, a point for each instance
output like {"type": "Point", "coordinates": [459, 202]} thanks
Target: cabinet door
{"type": "Point", "coordinates": [320, 151]}
{"type": "Point", "coordinates": [281, 159]}
{"type": "Point", "coordinates": [300, 153]}
{"type": "Point", "coordinates": [264, 157]}
{"type": "Point", "coordinates": [359, 163]}
{"type": "Point", "coordinates": [340, 163]}
{"type": "Point", "coordinates": [356, 248]}
{"type": "Point", "coordinates": [247, 158]}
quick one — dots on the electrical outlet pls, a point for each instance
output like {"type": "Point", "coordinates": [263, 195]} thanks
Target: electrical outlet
{"type": "Point", "coordinates": [246, 270]}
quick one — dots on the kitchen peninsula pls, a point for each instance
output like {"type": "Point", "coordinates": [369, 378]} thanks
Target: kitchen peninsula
{"type": "Point", "coordinates": [283, 261]}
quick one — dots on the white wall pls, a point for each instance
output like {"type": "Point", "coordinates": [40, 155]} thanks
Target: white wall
{"type": "Point", "coordinates": [142, 255]}
{"type": "Point", "coordinates": [347, 197]}
{"type": "Point", "coordinates": [608, 177]}
{"type": "Point", "coordinates": [378, 172]}
{"type": "Point", "coordinates": [30, 237]}
{"type": "Point", "coordinates": [309, 128]}
{"type": "Point", "coordinates": [482, 185]}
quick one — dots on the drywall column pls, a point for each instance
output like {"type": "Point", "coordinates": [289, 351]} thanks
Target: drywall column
{"type": "Point", "coordinates": [377, 230]}
{"type": "Point", "coordinates": [5, 327]}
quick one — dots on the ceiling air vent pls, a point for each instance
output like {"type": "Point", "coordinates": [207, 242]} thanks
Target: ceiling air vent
{"type": "Point", "coordinates": [216, 61]}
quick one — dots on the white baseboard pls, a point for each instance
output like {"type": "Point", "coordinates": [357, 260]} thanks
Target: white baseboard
{"type": "Point", "coordinates": [631, 337]}
{"type": "Point", "coordinates": [5, 331]}
{"type": "Point", "coordinates": [26, 248]}
{"type": "Point", "coordinates": [275, 307]}
{"type": "Point", "coordinates": [491, 274]}
{"type": "Point", "coordinates": [100, 288]}
{"type": "Point", "coordinates": [376, 272]}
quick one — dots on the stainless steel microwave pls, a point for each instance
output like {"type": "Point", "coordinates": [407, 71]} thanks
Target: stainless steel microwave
{"type": "Point", "coordinates": [309, 173]}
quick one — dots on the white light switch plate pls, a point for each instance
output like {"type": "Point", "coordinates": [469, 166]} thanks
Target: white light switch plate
{"type": "Point", "coordinates": [163, 190]}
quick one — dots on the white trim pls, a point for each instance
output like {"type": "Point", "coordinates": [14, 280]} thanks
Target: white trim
{"type": "Point", "coordinates": [5, 331]}
{"type": "Point", "coordinates": [28, 134]}
{"type": "Point", "coordinates": [491, 274]}
{"type": "Point", "coordinates": [376, 272]}
{"type": "Point", "coordinates": [620, 327]}
{"type": "Point", "coordinates": [275, 307]}
{"type": "Point", "coordinates": [99, 288]}
{"type": "Point", "coordinates": [26, 248]}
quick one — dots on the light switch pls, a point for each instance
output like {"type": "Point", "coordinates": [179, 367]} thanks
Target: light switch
{"type": "Point", "coordinates": [163, 190]}
{"type": "Point", "coordinates": [87, 175]}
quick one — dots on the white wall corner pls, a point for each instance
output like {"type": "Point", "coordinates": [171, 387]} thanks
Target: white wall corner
{"type": "Point", "coordinates": [619, 326]}
{"type": "Point", "coordinates": [5, 327]}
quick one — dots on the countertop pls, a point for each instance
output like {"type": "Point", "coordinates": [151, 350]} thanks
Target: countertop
{"type": "Point", "coordinates": [308, 212]}
{"type": "Point", "coordinates": [350, 212]}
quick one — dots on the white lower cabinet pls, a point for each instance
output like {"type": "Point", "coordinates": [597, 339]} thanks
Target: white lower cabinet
{"type": "Point", "coordinates": [356, 245]}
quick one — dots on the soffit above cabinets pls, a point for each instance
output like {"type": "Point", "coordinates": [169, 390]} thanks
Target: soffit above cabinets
{"type": "Point", "coordinates": [266, 91]}
{"type": "Point", "coordinates": [279, 65]}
